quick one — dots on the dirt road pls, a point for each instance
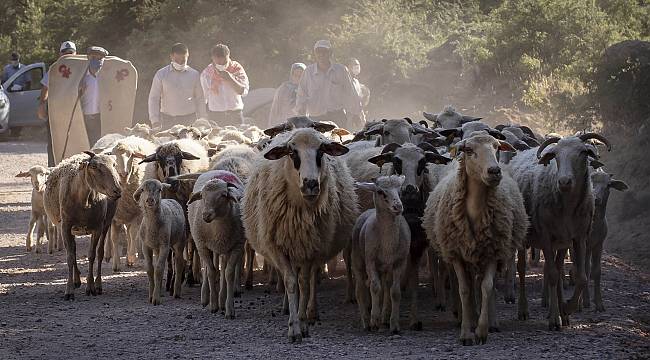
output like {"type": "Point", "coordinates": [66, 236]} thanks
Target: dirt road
{"type": "Point", "coordinates": [36, 323]}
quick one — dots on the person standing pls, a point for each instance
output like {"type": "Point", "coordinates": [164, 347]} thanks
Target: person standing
{"type": "Point", "coordinates": [224, 83]}
{"type": "Point", "coordinates": [22, 82]}
{"type": "Point", "coordinates": [67, 48]}
{"type": "Point", "coordinates": [362, 90]}
{"type": "Point", "coordinates": [176, 95]}
{"type": "Point", "coordinates": [284, 100]}
{"type": "Point", "coordinates": [326, 92]}
{"type": "Point", "coordinates": [89, 94]}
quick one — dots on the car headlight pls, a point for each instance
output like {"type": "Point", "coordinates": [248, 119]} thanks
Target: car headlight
{"type": "Point", "coordinates": [2, 103]}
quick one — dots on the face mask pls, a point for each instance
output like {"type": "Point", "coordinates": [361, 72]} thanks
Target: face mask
{"type": "Point", "coordinates": [179, 67]}
{"type": "Point", "coordinates": [14, 64]}
{"type": "Point", "coordinates": [96, 64]}
{"type": "Point", "coordinates": [356, 69]}
{"type": "Point", "coordinates": [221, 67]}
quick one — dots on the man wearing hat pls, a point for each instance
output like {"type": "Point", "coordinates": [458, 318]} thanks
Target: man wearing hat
{"type": "Point", "coordinates": [24, 81]}
{"type": "Point", "coordinates": [89, 94]}
{"type": "Point", "coordinates": [326, 91]}
{"type": "Point", "coordinates": [67, 48]}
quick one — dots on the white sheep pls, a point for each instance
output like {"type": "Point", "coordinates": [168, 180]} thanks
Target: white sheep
{"type": "Point", "coordinates": [216, 226]}
{"type": "Point", "coordinates": [449, 118]}
{"type": "Point", "coordinates": [298, 210]}
{"type": "Point", "coordinates": [162, 228]}
{"type": "Point", "coordinates": [381, 240]}
{"type": "Point", "coordinates": [38, 218]}
{"type": "Point", "coordinates": [475, 218]}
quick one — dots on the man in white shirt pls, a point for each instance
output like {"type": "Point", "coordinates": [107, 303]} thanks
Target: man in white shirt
{"type": "Point", "coordinates": [364, 93]}
{"type": "Point", "coordinates": [89, 94]}
{"type": "Point", "coordinates": [326, 91]}
{"type": "Point", "coordinates": [224, 83]}
{"type": "Point", "coordinates": [176, 96]}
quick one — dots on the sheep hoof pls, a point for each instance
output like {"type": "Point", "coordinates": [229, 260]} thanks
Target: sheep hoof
{"type": "Point", "coordinates": [565, 320]}
{"type": "Point", "coordinates": [230, 317]}
{"type": "Point", "coordinates": [440, 307]}
{"type": "Point", "coordinates": [373, 328]}
{"type": "Point", "coordinates": [156, 301]}
{"type": "Point", "coordinates": [417, 326]}
{"type": "Point", "coordinates": [116, 270]}
{"type": "Point", "coordinates": [493, 329]}
{"type": "Point", "coordinates": [295, 339]}
{"type": "Point", "coordinates": [523, 315]}
{"type": "Point", "coordinates": [91, 291]}
{"type": "Point", "coordinates": [481, 340]}
{"type": "Point", "coordinates": [509, 299]}
{"type": "Point", "coordinates": [467, 342]}
{"type": "Point", "coordinates": [555, 325]}
{"type": "Point", "coordinates": [68, 297]}
{"type": "Point", "coordinates": [99, 290]}
{"type": "Point", "coordinates": [395, 331]}
{"type": "Point", "coordinates": [77, 283]}
{"type": "Point", "coordinates": [600, 308]}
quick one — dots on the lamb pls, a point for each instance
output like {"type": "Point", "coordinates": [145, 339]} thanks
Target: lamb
{"type": "Point", "coordinates": [128, 152]}
{"type": "Point", "coordinates": [80, 198]}
{"type": "Point", "coordinates": [38, 219]}
{"type": "Point", "coordinates": [475, 218]}
{"type": "Point", "coordinates": [216, 226]}
{"type": "Point", "coordinates": [560, 205]}
{"type": "Point", "coordinates": [449, 118]}
{"type": "Point", "coordinates": [162, 228]}
{"type": "Point", "coordinates": [602, 182]}
{"type": "Point", "coordinates": [298, 211]}
{"type": "Point", "coordinates": [380, 248]}
{"type": "Point", "coordinates": [141, 130]}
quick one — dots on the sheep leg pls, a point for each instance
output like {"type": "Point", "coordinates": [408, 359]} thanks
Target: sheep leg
{"type": "Point", "coordinates": [189, 249]}
{"type": "Point", "coordinates": [92, 254]}
{"type": "Point", "coordinates": [375, 295]}
{"type": "Point", "coordinates": [222, 260]}
{"type": "Point", "coordinates": [413, 282]}
{"type": "Point", "coordinates": [492, 313]}
{"type": "Point", "coordinates": [234, 261]}
{"type": "Point", "coordinates": [312, 305]}
{"type": "Point", "coordinates": [350, 290]}
{"type": "Point", "coordinates": [304, 274]}
{"type": "Point", "coordinates": [51, 237]}
{"type": "Point", "coordinates": [206, 285]}
{"type": "Point", "coordinates": [331, 266]}
{"type": "Point", "coordinates": [40, 231]}
{"type": "Point", "coordinates": [59, 240]}
{"type": "Point", "coordinates": [30, 231]}
{"type": "Point", "coordinates": [179, 265]}
{"type": "Point", "coordinates": [290, 283]}
{"type": "Point", "coordinates": [396, 295]}
{"type": "Point", "coordinates": [196, 264]}
{"type": "Point", "coordinates": [552, 276]}
{"type": "Point", "coordinates": [597, 253]}
{"type": "Point", "coordinates": [362, 295]}
{"type": "Point", "coordinates": [586, 301]}
{"type": "Point", "coordinates": [509, 296]}
{"type": "Point", "coordinates": [454, 297]}
{"type": "Point", "coordinates": [115, 240]}
{"type": "Point", "coordinates": [522, 301]}
{"type": "Point", "coordinates": [578, 257]}
{"type": "Point", "coordinates": [100, 258]}
{"type": "Point", "coordinates": [108, 247]}
{"type": "Point", "coordinates": [464, 283]}
{"type": "Point", "coordinates": [159, 270]}
{"type": "Point", "coordinates": [71, 248]}
{"type": "Point", "coordinates": [132, 240]}
{"type": "Point", "coordinates": [250, 258]}
{"type": "Point", "coordinates": [169, 281]}
{"type": "Point", "coordinates": [385, 299]}
{"type": "Point", "coordinates": [487, 287]}
{"type": "Point", "coordinates": [148, 260]}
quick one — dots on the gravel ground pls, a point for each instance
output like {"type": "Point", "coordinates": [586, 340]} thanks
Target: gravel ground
{"type": "Point", "coordinates": [35, 321]}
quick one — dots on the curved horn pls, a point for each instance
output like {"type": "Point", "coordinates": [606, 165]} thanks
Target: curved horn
{"type": "Point", "coordinates": [547, 142]}
{"type": "Point", "coordinates": [587, 136]}
{"type": "Point", "coordinates": [424, 123]}
{"type": "Point", "coordinates": [390, 147]}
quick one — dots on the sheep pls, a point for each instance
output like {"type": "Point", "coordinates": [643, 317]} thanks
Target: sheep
{"type": "Point", "coordinates": [105, 142]}
{"type": "Point", "coordinates": [449, 118]}
{"type": "Point", "coordinates": [475, 218]}
{"type": "Point", "coordinates": [227, 134]}
{"type": "Point", "coordinates": [397, 131]}
{"type": "Point", "coordinates": [141, 130]}
{"type": "Point", "coordinates": [298, 211]}
{"type": "Point", "coordinates": [38, 219]}
{"type": "Point", "coordinates": [560, 205]}
{"type": "Point", "coordinates": [329, 128]}
{"type": "Point", "coordinates": [80, 197]}
{"type": "Point", "coordinates": [215, 222]}
{"type": "Point", "coordinates": [128, 152]}
{"type": "Point", "coordinates": [602, 182]}
{"type": "Point", "coordinates": [381, 239]}
{"type": "Point", "coordinates": [162, 228]}
{"type": "Point", "coordinates": [254, 133]}
{"type": "Point", "coordinates": [184, 132]}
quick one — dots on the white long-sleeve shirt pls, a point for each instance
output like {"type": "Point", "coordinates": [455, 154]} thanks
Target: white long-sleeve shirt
{"type": "Point", "coordinates": [176, 93]}
{"type": "Point", "coordinates": [320, 92]}
{"type": "Point", "coordinates": [219, 93]}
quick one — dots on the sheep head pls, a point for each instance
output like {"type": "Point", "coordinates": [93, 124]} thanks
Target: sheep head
{"type": "Point", "coordinates": [100, 175]}
{"type": "Point", "coordinates": [386, 193]}
{"type": "Point", "coordinates": [169, 158]}
{"type": "Point", "coordinates": [219, 197]}
{"type": "Point", "coordinates": [479, 157]}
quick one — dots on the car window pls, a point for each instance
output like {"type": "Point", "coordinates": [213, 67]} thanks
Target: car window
{"type": "Point", "coordinates": [30, 80]}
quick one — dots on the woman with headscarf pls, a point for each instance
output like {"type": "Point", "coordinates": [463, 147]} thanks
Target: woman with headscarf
{"type": "Point", "coordinates": [284, 100]}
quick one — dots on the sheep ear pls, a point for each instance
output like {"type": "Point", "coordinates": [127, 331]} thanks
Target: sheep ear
{"type": "Point", "coordinates": [173, 184]}
{"type": "Point", "coordinates": [205, 132]}
{"type": "Point", "coordinates": [136, 194]}
{"type": "Point", "coordinates": [375, 130]}
{"type": "Point", "coordinates": [277, 152]}
{"type": "Point", "coordinates": [149, 158]}
{"type": "Point", "coordinates": [618, 185]}
{"type": "Point", "coordinates": [520, 145]}
{"type": "Point", "coordinates": [212, 152]}
{"type": "Point", "coordinates": [532, 142]}
{"type": "Point", "coordinates": [427, 147]}
{"type": "Point", "coordinates": [275, 130]}
{"type": "Point", "coordinates": [194, 197]}
{"type": "Point", "coordinates": [189, 156]}
{"type": "Point", "coordinates": [467, 118]}
{"type": "Point", "coordinates": [595, 164]}
{"type": "Point", "coordinates": [504, 146]}
{"type": "Point", "coordinates": [431, 117]}
{"type": "Point", "coordinates": [163, 133]}
{"type": "Point", "coordinates": [341, 132]}
{"type": "Point", "coordinates": [334, 149]}
{"type": "Point", "coordinates": [23, 174]}
{"type": "Point", "coordinates": [90, 153]}
{"type": "Point", "coordinates": [323, 127]}
{"type": "Point", "coordinates": [381, 159]}
{"type": "Point", "coordinates": [496, 134]}
{"type": "Point", "coordinates": [544, 160]}
{"type": "Point", "coordinates": [368, 186]}
{"type": "Point", "coordinates": [451, 133]}
{"type": "Point", "coordinates": [436, 158]}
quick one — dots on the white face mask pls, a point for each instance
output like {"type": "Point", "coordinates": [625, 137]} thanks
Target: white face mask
{"type": "Point", "coordinates": [179, 67]}
{"type": "Point", "coordinates": [356, 69]}
{"type": "Point", "coordinates": [220, 67]}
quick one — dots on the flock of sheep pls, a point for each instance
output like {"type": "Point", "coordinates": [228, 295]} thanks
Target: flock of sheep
{"type": "Point", "coordinates": [202, 200]}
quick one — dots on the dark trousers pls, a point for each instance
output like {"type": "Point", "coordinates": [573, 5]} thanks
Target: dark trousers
{"type": "Point", "coordinates": [93, 128]}
{"type": "Point", "coordinates": [50, 152]}
{"type": "Point", "coordinates": [223, 118]}
{"type": "Point", "coordinates": [169, 120]}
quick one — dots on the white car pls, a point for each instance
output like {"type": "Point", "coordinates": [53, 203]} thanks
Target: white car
{"type": "Point", "coordinates": [4, 110]}
{"type": "Point", "coordinates": [24, 102]}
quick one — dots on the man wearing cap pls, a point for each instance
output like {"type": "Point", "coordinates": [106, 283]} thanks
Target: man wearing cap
{"type": "Point", "coordinates": [224, 83]}
{"type": "Point", "coordinates": [89, 94]}
{"type": "Point", "coordinates": [176, 96]}
{"type": "Point", "coordinates": [24, 81]}
{"type": "Point", "coordinates": [67, 48]}
{"type": "Point", "coordinates": [326, 91]}
{"type": "Point", "coordinates": [284, 100]}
